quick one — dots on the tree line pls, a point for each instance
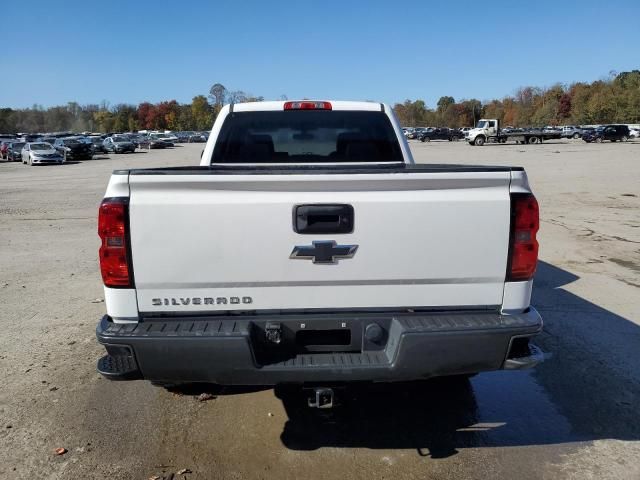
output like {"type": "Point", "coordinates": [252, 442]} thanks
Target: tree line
{"type": "Point", "coordinates": [613, 100]}
{"type": "Point", "coordinates": [171, 115]}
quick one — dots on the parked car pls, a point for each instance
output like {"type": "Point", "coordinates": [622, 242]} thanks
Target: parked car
{"type": "Point", "coordinates": [183, 137]}
{"type": "Point", "coordinates": [97, 144]}
{"type": "Point", "coordinates": [410, 132]}
{"type": "Point", "coordinates": [73, 148]}
{"type": "Point", "coordinates": [407, 131]}
{"type": "Point", "coordinates": [440, 134]}
{"type": "Point", "coordinates": [14, 151]}
{"type": "Point", "coordinates": [5, 141]}
{"type": "Point", "coordinates": [168, 139]}
{"type": "Point", "coordinates": [613, 133]}
{"type": "Point", "coordinates": [571, 131]}
{"type": "Point", "coordinates": [418, 131]}
{"type": "Point", "coordinates": [4, 146]}
{"type": "Point", "coordinates": [146, 141]}
{"type": "Point", "coordinates": [197, 138]}
{"type": "Point", "coordinates": [40, 152]}
{"type": "Point", "coordinates": [135, 139]}
{"type": "Point", "coordinates": [119, 144]}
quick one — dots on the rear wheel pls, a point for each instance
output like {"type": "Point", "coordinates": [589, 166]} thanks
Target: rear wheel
{"type": "Point", "coordinates": [576, 136]}
{"type": "Point", "coordinates": [479, 141]}
{"type": "Point", "coordinates": [426, 139]}
{"type": "Point", "coordinates": [598, 140]}
{"type": "Point", "coordinates": [534, 140]}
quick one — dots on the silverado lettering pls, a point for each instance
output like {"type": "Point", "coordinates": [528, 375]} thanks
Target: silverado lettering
{"type": "Point", "coordinates": [200, 301]}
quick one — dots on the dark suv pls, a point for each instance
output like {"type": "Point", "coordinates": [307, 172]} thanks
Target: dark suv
{"type": "Point", "coordinates": [74, 149]}
{"type": "Point", "coordinates": [612, 133]}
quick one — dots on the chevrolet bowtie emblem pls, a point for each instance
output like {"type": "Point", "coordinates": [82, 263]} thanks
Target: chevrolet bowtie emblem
{"type": "Point", "coordinates": [324, 252]}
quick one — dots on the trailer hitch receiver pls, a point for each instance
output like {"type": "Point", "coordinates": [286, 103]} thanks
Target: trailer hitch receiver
{"type": "Point", "coordinates": [322, 398]}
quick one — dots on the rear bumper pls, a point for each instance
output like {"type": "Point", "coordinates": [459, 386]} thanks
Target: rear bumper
{"type": "Point", "coordinates": [230, 350]}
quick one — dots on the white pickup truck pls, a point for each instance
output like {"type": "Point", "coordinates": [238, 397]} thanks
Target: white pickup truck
{"type": "Point", "coordinates": [308, 247]}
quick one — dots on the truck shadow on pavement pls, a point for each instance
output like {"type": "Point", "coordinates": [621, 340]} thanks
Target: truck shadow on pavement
{"type": "Point", "coordinates": [582, 393]}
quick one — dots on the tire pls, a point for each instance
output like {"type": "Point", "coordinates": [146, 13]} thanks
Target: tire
{"type": "Point", "coordinates": [503, 140]}
{"type": "Point", "coordinates": [599, 140]}
{"type": "Point", "coordinates": [533, 140]}
{"type": "Point", "coordinates": [576, 136]}
{"type": "Point", "coordinates": [30, 161]}
{"type": "Point", "coordinates": [479, 141]}
{"type": "Point", "coordinates": [426, 139]}
{"type": "Point", "coordinates": [471, 143]}
{"type": "Point", "coordinates": [624, 138]}
{"type": "Point", "coordinates": [422, 139]}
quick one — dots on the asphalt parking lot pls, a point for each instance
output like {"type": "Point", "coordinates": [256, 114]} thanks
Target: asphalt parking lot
{"type": "Point", "coordinates": [577, 416]}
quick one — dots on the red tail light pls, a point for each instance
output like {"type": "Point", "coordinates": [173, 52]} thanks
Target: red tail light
{"type": "Point", "coordinates": [523, 244]}
{"type": "Point", "coordinates": [113, 222]}
{"type": "Point", "coordinates": [306, 105]}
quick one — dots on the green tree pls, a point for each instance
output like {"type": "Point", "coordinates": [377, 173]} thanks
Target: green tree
{"type": "Point", "coordinates": [201, 113]}
{"type": "Point", "coordinates": [444, 103]}
{"type": "Point", "coordinates": [104, 120]}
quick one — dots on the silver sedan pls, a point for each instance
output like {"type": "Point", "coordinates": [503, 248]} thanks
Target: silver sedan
{"type": "Point", "coordinates": [34, 153]}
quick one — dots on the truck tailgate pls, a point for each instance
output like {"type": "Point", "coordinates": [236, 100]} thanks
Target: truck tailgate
{"type": "Point", "coordinates": [202, 242]}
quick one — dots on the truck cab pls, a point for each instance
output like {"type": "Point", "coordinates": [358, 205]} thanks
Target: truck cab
{"type": "Point", "coordinates": [485, 129]}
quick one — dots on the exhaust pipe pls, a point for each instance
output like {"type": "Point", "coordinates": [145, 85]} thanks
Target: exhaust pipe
{"type": "Point", "coordinates": [522, 354]}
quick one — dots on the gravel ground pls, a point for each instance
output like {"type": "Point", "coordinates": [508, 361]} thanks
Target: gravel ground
{"type": "Point", "coordinates": [574, 417]}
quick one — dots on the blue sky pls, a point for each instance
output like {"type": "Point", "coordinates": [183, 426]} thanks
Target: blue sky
{"type": "Point", "coordinates": [129, 52]}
